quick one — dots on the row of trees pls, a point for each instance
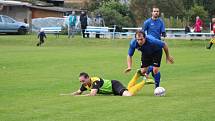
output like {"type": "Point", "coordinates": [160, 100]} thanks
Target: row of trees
{"type": "Point", "coordinates": [134, 13]}
{"type": "Point", "coordinates": [176, 13]}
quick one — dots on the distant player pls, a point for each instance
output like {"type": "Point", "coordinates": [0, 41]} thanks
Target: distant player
{"type": "Point", "coordinates": [97, 85]}
{"type": "Point", "coordinates": [41, 36]}
{"type": "Point", "coordinates": [155, 27]}
{"type": "Point", "coordinates": [151, 49]}
{"type": "Point", "coordinates": [212, 41]}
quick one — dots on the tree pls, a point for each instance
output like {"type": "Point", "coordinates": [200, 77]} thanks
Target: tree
{"type": "Point", "coordinates": [173, 8]}
{"type": "Point", "coordinates": [188, 4]}
{"type": "Point", "coordinates": [197, 10]}
{"type": "Point", "coordinates": [139, 10]}
{"type": "Point", "coordinates": [207, 4]}
{"type": "Point", "coordinates": [95, 4]}
{"type": "Point", "coordinates": [115, 13]}
{"type": "Point", "coordinates": [142, 8]}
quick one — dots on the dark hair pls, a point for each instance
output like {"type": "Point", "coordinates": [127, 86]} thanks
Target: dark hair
{"type": "Point", "coordinates": [84, 74]}
{"type": "Point", "coordinates": [140, 32]}
{"type": "Point", "coordinates": [154, 6]}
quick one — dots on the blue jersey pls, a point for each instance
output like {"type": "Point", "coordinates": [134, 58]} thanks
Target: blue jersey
{"type": "Point", "coordinates": [152, 45]}
{"type": "Point", "coordinates": [41, 35]}
{"type": "Point", "coordinates": [154, 27]}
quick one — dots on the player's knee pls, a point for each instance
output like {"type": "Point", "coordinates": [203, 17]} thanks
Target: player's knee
{"type": "Point", "coordinates": [126, 93]}
{"type": "Point", "coordinates": [143, 71]}
{"type": "Point", "coordinates": [155, 70]}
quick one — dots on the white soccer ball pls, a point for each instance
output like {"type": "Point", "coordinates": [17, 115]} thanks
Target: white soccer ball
{"type": "Point", "coordinates": [159, 91]}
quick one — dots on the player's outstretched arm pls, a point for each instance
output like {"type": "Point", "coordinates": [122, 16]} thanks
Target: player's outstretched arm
{"type": "Point", "coordinates": [92, 93]}
{"type": "Point", "coordinates": [169, 58]}
{"type": "Point", "coordinates": [78, 92]}
{"type": "Point", "coordinates": [129, 64]}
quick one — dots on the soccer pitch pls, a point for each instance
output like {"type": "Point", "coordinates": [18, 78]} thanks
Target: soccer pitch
{"type": "Point", "coordinates": [31, 79]}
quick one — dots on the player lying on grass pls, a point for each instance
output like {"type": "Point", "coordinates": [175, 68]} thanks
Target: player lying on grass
{"type": "Point", "coordinates": [98, 85]}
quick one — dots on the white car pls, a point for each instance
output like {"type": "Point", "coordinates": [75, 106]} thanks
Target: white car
{"type": "Point", "coordinates": [9, 25]}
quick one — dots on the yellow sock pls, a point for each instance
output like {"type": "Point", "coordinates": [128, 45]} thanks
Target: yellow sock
{"type": "Point", "coordinates": [212, 40]}
{"type": "Point", "coordinates": [133, 90]}
{"type": "Point", "coordinates": [133, 81]}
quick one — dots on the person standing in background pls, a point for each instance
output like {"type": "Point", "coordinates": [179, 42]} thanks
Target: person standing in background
{"type": "Point", "coordinates": [198, 25]}
{"type": "Point", "coordinates": [72, 24]}
{"type": "Point", "coordinates": [83, 20]}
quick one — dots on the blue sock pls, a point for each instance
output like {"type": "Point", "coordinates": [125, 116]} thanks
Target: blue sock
{"type": "Point", "coordinates": [150, 69]}
{"type": "Point", "coordinates": [157, 79]}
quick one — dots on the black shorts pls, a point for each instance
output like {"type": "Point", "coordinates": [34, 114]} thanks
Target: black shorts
{"type": "Point", "coordinates": [152, 60]}
{"type": "Point", "coordinates": [41, 40]}
{"type": "Point", "coordinates": [117, 87]}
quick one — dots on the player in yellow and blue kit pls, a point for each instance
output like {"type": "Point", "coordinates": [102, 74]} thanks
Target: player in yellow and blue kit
{"type": "Point", "coordinates": [151, 49]}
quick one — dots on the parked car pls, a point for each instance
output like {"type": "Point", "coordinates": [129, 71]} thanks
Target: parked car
{"type": "Point", "coordinates": [9, 25]}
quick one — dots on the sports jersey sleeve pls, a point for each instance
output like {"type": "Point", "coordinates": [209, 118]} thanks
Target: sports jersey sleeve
{"type": "Point", "coordinates": [131, 49]}
{"type": "Point", "coordinates": [145, 26]}
{"type": "Point", "coordinates": [162, 27]}
{"type": "Point", "coordinates": [82, 88]}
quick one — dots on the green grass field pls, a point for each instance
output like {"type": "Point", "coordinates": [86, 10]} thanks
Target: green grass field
{"type": "Point", "coordinates": [31, 79]}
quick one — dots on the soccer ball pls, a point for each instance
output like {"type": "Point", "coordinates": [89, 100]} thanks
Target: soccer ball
{"type": "Point", "coordinates": [159, 91]}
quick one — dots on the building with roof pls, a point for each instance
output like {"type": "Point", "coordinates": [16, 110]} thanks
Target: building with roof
{"type": "Point", "coordinates": [15, 9]}
{"type": "Point", "coordinates": [25, 12]}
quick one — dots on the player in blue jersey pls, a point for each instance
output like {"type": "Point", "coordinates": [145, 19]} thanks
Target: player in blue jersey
{"type": "Point", "coordinates": [154, 26]}
{"type": "Point", "coordinates": [41, 36]}
{"type": "Point", "coordinates": [151, 49]}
